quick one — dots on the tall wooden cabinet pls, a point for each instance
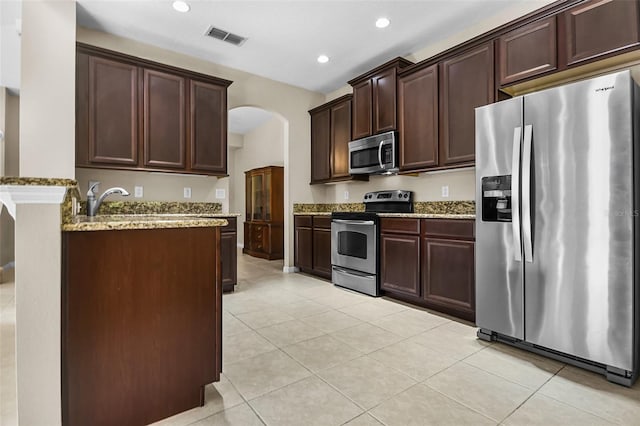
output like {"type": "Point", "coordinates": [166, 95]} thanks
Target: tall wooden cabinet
{"type": "Point", "coordinates": [264, 220]}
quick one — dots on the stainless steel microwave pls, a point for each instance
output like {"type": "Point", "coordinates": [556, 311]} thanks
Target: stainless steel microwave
{"type": "Point", "coordinates": [374, 154]}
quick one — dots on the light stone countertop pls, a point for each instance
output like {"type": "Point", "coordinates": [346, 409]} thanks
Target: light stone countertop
{"type": "Point", "coordinates": [139, 221]}
{"type": "Point", "coordinates": [312, 213]}
{"type": "Point", "coordinates": [407, 215]}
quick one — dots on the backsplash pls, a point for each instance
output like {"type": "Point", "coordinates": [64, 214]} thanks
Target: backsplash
{"type": "Point", "coordinates": [423, 207]}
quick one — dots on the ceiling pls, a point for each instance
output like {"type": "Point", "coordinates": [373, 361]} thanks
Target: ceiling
{"type": "Point", "coordinates": [286, 37]}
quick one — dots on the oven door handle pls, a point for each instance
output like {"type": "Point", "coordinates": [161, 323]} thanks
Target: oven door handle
{"type": "Point", "coordinates": [354, 222]}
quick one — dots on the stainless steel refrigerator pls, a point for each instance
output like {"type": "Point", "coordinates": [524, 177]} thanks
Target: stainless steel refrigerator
{"type": "Point", "coordinates": [557, 225]}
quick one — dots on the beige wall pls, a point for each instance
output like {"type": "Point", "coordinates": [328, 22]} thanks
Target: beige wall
{"type": "Point", "coordinates": [47, 94]}
{"type": "Point", "coordinates": [12, 136]}
{"type": "Point", "coordinates": [428, 186]}
{"type": "Point", "coordinates": [263, 146]}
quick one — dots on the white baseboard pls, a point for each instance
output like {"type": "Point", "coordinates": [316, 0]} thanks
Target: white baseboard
{"type": "Point", "coordinates": [290, 269]}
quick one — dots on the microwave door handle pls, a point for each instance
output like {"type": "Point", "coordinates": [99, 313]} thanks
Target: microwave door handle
{"type": "Point", "coordinates": [380, 154]}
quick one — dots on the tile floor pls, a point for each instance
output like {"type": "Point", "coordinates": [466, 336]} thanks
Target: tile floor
{"type": "Point", "coordinates": [299, 351]}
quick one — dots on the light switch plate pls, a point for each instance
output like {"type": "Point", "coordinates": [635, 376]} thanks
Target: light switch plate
{"type": "Point", "coordinates": [346, 195]}
{"type": "Point", "coordinates": [220, 194]}
{"type": "Point", "coordinates": [138, 191]}
{"type": "Point", "coordinates": [187, 192]}
{"type": "Point", "coordinates": [445, 191]}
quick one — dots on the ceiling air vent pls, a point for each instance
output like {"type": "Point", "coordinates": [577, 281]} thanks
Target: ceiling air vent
{"type": "Point", "coordinates": [223, 35]}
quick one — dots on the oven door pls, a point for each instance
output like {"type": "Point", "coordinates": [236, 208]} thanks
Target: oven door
{"type": "Point", "coordinates": [353, 244]}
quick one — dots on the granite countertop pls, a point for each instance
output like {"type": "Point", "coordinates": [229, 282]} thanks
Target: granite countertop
{"type": "Point", "coordinates": [312, 213]}
{"type": "Point", "coordinates": [139, 221]}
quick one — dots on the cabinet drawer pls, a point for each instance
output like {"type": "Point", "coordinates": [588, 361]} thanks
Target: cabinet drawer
{"type": "Point", "coordinates": [452, 228]}
{"type": "Point", "coordinates": [231, 226]}
{"type": "Point", "coordinates": [322, 222]}
{"type": "Point", "coordinates": [302, 221]}
{"type": "Point", "coordinates": [400, 225]}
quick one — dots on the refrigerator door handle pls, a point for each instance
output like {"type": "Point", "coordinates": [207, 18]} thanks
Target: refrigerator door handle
{"type": "Point", "coordinates": [515, 194]}
{"type": "Point", "coordinates": [526, 193]}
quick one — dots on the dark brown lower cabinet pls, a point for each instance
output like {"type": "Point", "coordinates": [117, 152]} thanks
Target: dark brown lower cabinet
{"type": "Point", "coordinates": [400, 254]}
{"type": "Point", "coordinates": [143, 336]}
{"type": "Point", "coordinates": [430, 263]}
{"type": "Point", "coordinates": [229, 254]}
{"type": "Point", "coordinates": [312, 248]}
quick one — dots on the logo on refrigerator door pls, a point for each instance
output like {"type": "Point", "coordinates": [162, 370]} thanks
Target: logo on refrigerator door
{"type": "Point", "coordinates": [604, 89]}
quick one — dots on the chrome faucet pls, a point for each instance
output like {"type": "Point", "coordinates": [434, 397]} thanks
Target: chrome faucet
{"type": "Point", "coordinates": [93, 205]}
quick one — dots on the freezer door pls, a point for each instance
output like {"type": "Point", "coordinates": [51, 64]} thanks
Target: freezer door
{"type": "Point", "coordinates": [499, 268]}
{"type": "Point", "coordinates": [579, 245]}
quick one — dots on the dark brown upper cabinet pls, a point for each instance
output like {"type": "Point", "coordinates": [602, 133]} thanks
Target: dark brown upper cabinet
{"type": "Point", "coordinates": [163, 118]}
{"type": "Point", "coordinates": [467, 83]}
{"type": "Point", "coordinates": [208, 127]}
{"type": "Point", "coordinates": [418, 118]}
{"type": "Point", "coordinates": [107, 111]}
{"type": "Point", "coordinates": [320, 145]}
{"type": "Point", "coordinates": [600, 27]}
{"type": "Point", "coordinates": [140, 115]}
{"type": "Point", "coordinates": [330, 136]}
{"type": "Point", "coordinates": [528, 51]}
{"type": "Point", "coordinates": [375, 99]}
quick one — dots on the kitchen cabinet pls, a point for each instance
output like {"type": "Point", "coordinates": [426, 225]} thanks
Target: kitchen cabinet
{"type": "Point", "coordinates": [430, 263]}
{"type": "Point", "coordinates": [144, 338]}
{"type": "Point", "coordinates": [208, 127]}
{"type": "Point", "coordinates": [400, 256]}
{"type": "Point", "coordinates": [528, 51]}
{"type": "Point", "coordinates": [375, 99]}
{"type": "Point", "coordinates": [330, 137]}
{"type": "Point", "coordinates": [264, 221]}
{"type": "Point", "coordinates": [467, 83]}
{"type": "Point", "coordinates": [106, 112]}
{"type": "Point", "coordinates": [140, 115]}
{"type": "Point", "coordinates": [229, 254]}
{"type": "Point", "coordinates": [164, 112]}
{"type": "Point", "coordinates": [312, 245]}
{"type": "Point", "coordinates": [418, 119]}
{"type": "Point", "coordinates": [597, 28]}
{"type": "Point", "coordinates": [448, 266]}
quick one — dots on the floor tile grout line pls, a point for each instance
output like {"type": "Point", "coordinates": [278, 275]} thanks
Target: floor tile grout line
{"type": "Point", "coordinates": [456, 401]}
{"type": "Point", "coordinates": [532, 394]}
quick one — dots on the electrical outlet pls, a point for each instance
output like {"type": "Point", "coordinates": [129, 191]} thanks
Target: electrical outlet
{"type": "Point", "coordinates": [138, 191]}
{"type": "Point", "coordinates": [220, 194]}
{"type": "Point", "coordinates": [445, 191]}
{"type": "Point", "coordinates": [97, 188]}
{"type": "Point", "coordinates": [187, 192]}
{"type": "Point", "coordinates": [346, 195]}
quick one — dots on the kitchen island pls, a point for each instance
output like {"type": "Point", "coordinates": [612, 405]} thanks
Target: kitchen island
{"type": "Point", "coordinates": [141, 316]}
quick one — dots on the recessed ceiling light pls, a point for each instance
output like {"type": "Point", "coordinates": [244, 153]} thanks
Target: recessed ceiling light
{"type": "Point", "coordinates": [181, 6]}
{"type": "Point", "coordinates": [323, 59]}
{"type": "Point", "coordinates": [382, 23]}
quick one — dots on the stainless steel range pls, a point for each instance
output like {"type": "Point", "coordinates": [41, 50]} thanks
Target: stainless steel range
{"type": "Point", "coordinates": [355, 237]}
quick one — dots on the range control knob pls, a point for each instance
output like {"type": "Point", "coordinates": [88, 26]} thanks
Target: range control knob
{"type": "Point", "coordinates": [406, 195]}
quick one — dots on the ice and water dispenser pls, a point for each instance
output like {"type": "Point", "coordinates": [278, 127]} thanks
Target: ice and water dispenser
{"type": "Point", "coordinates": [496, 198]}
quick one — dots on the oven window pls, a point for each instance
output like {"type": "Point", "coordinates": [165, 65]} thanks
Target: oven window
{"type": "Point", "coordinates": [353, 244]}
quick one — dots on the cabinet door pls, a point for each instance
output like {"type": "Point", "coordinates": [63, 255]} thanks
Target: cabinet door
{"type": "Point", "coordinates": [418, 110]}
{"type": "Point", "coordinates": [164, 114]}
{"type": "Point", "coordinates": [228, 259]}
{"type": "Point", "coordinates": [448, 275]}
{"type": "Point", "coordinates": [322, 252]}
{"type": "Point", "coordinates": [400, 264]}
{"type": "Point", "coordinates": [362, 107]}
{"type": "Point", "coordinates": [384, 101]}
{"type": "Point", "coordinates": [599, 27]}
{"type": "Point", "coordinates": [320, 146]}
{"type": "Point", "coordinates": [113, 112]}
{"type": "Point", "coordinates": [340, 138]}
{"type": "Point", "coordinates": [467, 83]}
{"type": "Point", "coordinates": [527, 51]}
{"type": "Point", "coordinates": [208, 127]}
{"type": "Point", "coordinates": [304, 248]}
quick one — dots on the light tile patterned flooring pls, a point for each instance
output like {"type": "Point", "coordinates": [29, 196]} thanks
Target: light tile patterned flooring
{"type": "Point", "coordinates": [299, 351]}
